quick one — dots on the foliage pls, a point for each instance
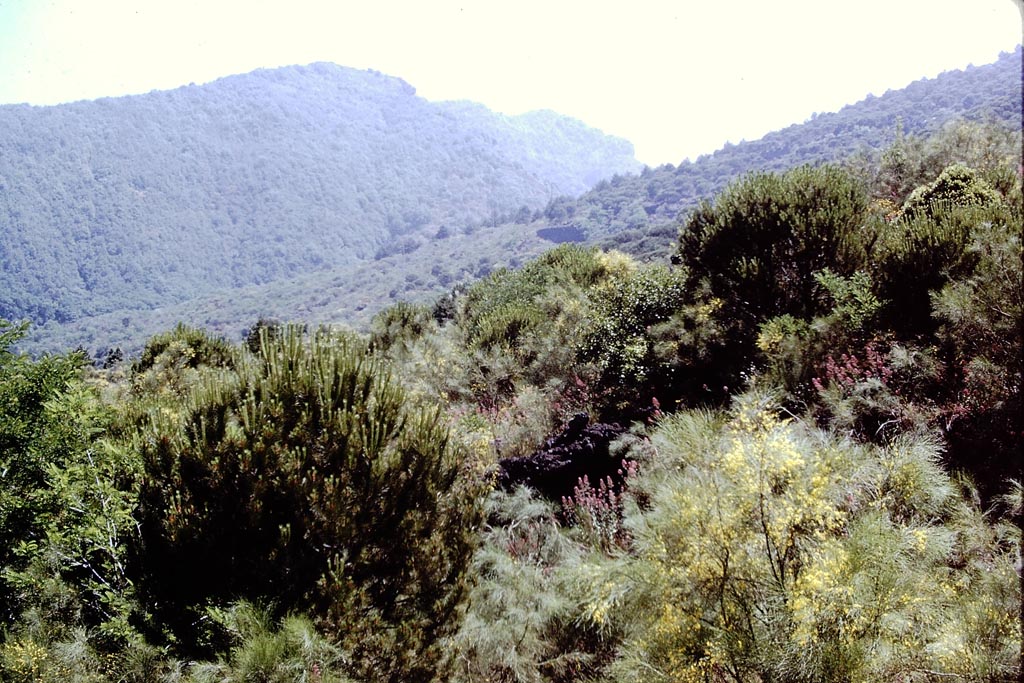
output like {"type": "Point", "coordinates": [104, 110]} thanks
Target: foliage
{"type": "Point", "coordinates": [37, 440]}
{"type": "Point", "coordinates": [980, 333]}
{"type": "Point", "coordinates": [506, 306]}
{"type": "Point", "coordinates": [508, 355]}
{"type": "Point", "coordinates": [308, 267]}
{"type": "Point", "coordinates": [522, 624]}
{"type": "Point", "coordinates": [255, 334]}
{"type": "Point", "coordinates": [66, 523]}
{"type": "Point", "coordinates": [307, 478]}
{"type": "Point", "coordinates": [854, 303]}
{"type": "Point", "coordinates": [957, 185]}
{"type": "Point", "coordinates": [292, 652]}
{"type": "Point", "coordinates": [767, 550]}
{"type": "Point", "coordinates": [400, 324]}
{"type": "Point", "coordinates": [317, 506]}
{"type": "Point", "coordinates": [183, 347]}
{"type": "Point", "coordinates": [925, 249]}
{"type": "Point", "coordinates": [616, 335]}
{"type": "Point", "coordinates": [910, 161]}
{"type": "Point", "coordinates": [761, 242]}
{"type": "Point", "coordinates": [758, 251]}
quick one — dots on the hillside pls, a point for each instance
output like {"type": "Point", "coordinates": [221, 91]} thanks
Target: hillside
{"type": "Point", "coordinates": [139, 202]}
{"type": "Point", "coordinates": [638, 214]}
{"type": "Point", "coordinates": [793, 456]}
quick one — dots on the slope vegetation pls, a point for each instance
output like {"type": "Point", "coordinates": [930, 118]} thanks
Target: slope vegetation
{"type": "Point", "coordinates": [140, 202]}
{"type": "Point", "coordinates": [972, 116]}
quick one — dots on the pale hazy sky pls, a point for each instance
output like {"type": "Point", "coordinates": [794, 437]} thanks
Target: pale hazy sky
{"type": "Point", "coordinates": [678, 79]}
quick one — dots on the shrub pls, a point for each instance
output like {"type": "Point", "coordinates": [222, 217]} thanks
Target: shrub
{"type": "Point", "coordinates": [524, 623]}
{"type": "Point", "coordinates": [616, 333]}
{"type": "Point", "coordinates": [268, 652]}
{"type": "Point", "coordinates": [306, 477]}
{"type": "Point", "coordinates": [930, 245]}
{"type": "Point", "coordinates": [766, 550]}
{"type": "Point", "coordinates": [400, 324]}
{"type": "Point", "coordinates": [957, 185]}
{"type": "Point", "coordinates": [760, 243]}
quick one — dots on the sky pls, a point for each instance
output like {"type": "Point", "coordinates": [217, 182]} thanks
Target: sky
{"type": "Point", "coordinates": [677, 78]}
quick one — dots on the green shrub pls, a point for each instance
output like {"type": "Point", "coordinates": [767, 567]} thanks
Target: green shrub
{"type": "Point", "coordinates": [930, 245]}
{"type": "Point", "coordinates": [185, 347]}
{"type": "Point", "coordinates": [524, 622]}
{"type": "Point", "coordinates": [760, 243]}
{"type": "Point", "coordinates": [66, 527]}
{"type": "Point", "coordinates": [263, 651]}
{"type": "Point", "coordinates": [616, 334]}
{"type": "Point", "coordinates": [957, 185]}
{"type": "Point", "coordinates": [756, 253]}
{"type": "Point", "coordinates": [400, 325]}
{"type": "Point", "coordinates": [307, 478]}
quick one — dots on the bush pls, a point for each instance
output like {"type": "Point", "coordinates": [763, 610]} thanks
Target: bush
{"type": "Point", "coordinates": [66, 502]}
{"type": "Point", "coordinates": [524, 623]}
{"type": "Point", "coordinates": [307, 479]}
{"type": "Point", "coordinates": [616, 333]}
{"type": "Point", "coordinates": [760, 243]}
{"type": "Point", "coordinates": [929, 245]}
{"type": "Point", "coordinates": [957, 185]}
{"type": "Point", "coordinates": [766, 550]}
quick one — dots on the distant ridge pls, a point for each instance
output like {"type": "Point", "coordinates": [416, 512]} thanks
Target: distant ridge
{"type": "Point", "coordinates": [635, 212]}
{"type": "Point", "coordinates": [638, 214]}
{"type": "Point", "coordinates": [148, 200]}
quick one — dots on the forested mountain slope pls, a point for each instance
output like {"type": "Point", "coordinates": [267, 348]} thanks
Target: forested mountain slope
{"type": "Point", "coordinates": [144, 201]}
{"type": "Point", "coordinates": [638, 214]}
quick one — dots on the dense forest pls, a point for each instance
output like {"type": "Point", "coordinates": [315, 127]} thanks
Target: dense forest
{"type": "Point", "coordinates": [634, 213]}
{"type": "Point", "coordinates": [786, 450]}
{"type": "Point", "coordinates": [146, 201]}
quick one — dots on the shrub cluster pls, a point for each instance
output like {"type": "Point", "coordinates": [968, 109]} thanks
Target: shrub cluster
{"type": "Point", "coordinates": [818, 409]}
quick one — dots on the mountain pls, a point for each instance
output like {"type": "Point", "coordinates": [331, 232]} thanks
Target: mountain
{"type": "Point", "coordinates": [637, 213]}
{"type": "Point", "coordinates": [139, 202]}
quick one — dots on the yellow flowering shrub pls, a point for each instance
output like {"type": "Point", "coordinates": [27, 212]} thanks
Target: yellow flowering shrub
{"type": "Point", "coordinates": [765, 549]}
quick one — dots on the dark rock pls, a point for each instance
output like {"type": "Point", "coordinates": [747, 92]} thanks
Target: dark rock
{"type": "Point", "coordinates": [554, 470]}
